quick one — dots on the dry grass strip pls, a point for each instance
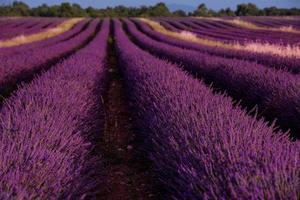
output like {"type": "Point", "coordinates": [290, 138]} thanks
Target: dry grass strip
{"type": "Point", "coordinates": [244, 24]}
{"type": "Point", "coordinates": [21, 39]}
{"type": "Point", "coordinates": [266, 48]}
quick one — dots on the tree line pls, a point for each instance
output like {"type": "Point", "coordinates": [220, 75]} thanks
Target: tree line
{"type": "Point", "coordinates": [18, 8]}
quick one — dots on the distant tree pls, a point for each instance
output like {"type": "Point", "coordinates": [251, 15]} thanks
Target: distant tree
{"type": "Point", "coordinates": [273, 11]}
{"type": "Point", "coordinates": [43, 11]}
{"type": "Point", "coordinates": [92, 12]}
{"type": "Point", "coordinates": [211, 13]}
{"type": "Point", "coordinates": [54, 11]}
{"type": "Point", "coordinates": [160, 9]}
{"type": "Point", "coordinates": [20, 9]}
{"type": "Point", "coordinates": [78, 11]}
{"type": "Point", "coordinates": [249, 9]}
{"type": "Point", "coordinates": [123, 11]}
{"type": "Point", "coordinates": [226, 12]}
{"type": "Point", "coordinates": [179, 13]}
{"type": "Point", "coordinates": [4, 10]}
{"type": "Point", "coordinates": [133, 12]}
{"type": "Point", "coordinates": [201, 11]}
{"type": "Point", "coordinates": [292, 11]}
{"type": "Point", "coordinates": [65, 10]}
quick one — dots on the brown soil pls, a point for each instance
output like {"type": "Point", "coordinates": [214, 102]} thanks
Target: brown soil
{"type": "Point", "coordinates": [127, 175]}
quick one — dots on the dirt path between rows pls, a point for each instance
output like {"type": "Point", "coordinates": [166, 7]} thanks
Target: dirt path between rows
{"type": "Point", "coordinates": [127, 175]}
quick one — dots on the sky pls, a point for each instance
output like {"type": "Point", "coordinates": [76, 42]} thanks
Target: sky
{"type": "Point", "coordinates": [214, 4]}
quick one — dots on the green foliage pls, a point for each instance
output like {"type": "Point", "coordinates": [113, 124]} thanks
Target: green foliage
{"type": "Point", "coordinates": [159, 9]}
{"type": "Point", "coordinates": [226, 12]}
{"type": "Point", "coordinates": [249, 9]}
{"type": "Point", "coordinates": [179, 13]}
{"type": "Point", "coordinates": [66, 9]}
{"type": "Point", "coordinates": [272, 11]}
{"type": "Point", "coordinates": [201, 11]}
{"type": "Point", "coordinates": [18, 8]}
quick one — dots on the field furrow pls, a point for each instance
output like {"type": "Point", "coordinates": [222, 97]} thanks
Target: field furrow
{"type": "Point", "coordinates": [128, 175]}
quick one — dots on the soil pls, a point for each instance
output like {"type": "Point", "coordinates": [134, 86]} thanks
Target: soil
{"type": "Point", "coordinates": [128, 176]}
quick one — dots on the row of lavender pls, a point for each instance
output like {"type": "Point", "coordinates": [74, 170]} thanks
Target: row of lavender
{"type": "Point", "coordinates": [26, 23]}
{"type": "Point", "coordinates": [288, 64]}
{"type": "Point", "coordinates": [27, 26]}
{"type": "Point", "coordinates": [11, 23]}
{"type": "Point", "coordinates": [243, 34]}
{"type": "Point", "coordinates": [275, 93]}
{"type": "Point", "coordinates": [274, 22]}
{"type": "Point", "coordinates": [201, 145]}
{"type": "Point", "coordinates": [50, 127]}
{"type": "Point", "coordinates": [226, 32]}
{"type": "Point", "coordinates": [79, 27]}
{"type": "Point", "coordinates": [238, 34]}
{"type": "Point", "coordinates": [16, 67]}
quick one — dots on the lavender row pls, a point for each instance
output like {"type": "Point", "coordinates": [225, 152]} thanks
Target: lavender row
{"type": "Point", "coordinates": [211, 35]}
{"type": "Point", "coordinates": [263, 34]}
{"type": "Point", "coordinates": [16, 68]}
{"type": "Point", "coordinates": [235, 35]}
{"type": "Point", "coordinates": [79, 27]}
{"type": "Point", "coordinates": [13, 23]}
{"type": "Point", "coordinates": [230, 37]}
{"type": "Point", "coordinates": [205, 28]}
{"type": "Point", "coordinates": [4, 21]}
{"type": "Point", "coordinates": [288, 64]}
{"type": "Point", "coordinates": [50, 127]}
{"type": "Point", "coordinates": [201, 146]}
{"type": "Point", "coordinates": [216, 24]}
{"type": "Point", "coordinates": [206, 34]}
{"type": "Point", "coordinates": [43, 25]}
{"type": "Point", "coordinates": [267, 23]}
{"type": "Point", "coordinates": [29, 27]}
{"type": "Point", "coordinates": [245, 36]}
{"type": "Point", "coordinates": [7, 33]}
{"type": "Point", "coordinates": [276, 93]}
{"type": "Point", "coordinates": [271, 22]}
{"type": "Point", "coordinates": [180, 26]}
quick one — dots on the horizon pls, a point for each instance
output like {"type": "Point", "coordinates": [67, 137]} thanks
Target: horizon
{"type": "Point", "coordinates": [187, 5]}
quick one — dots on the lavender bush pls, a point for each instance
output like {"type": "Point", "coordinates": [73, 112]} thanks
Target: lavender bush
{"type": "Point", "coordinates": [288, 64]}
{"type": "Point", "coordinates": [214, 29]}
{"type": "Point", "coordinates": [275, 93]}
{"type": "Point", "coordinates": [32, 25]}
{"type": "Point", "coordinates": [18, 67]}
{"type": "Point", "coordinates": [202, 146]}
{"type": "Point", "coordinates": [49, 128]}
{"type": "Point", "coordinates": [78, 28]}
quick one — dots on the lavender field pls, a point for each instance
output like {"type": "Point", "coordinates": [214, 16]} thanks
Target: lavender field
{"type": "Point", "coordinates": [150, 108]}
